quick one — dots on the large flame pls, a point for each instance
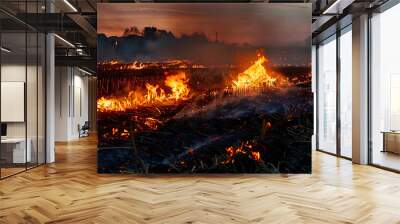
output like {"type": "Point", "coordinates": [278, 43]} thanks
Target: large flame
{"type": "Point", "coordinates": [179, 90]}
{"type": "Point", "coordinates": [178, 85]}
{"type": "Point", "coordinates": [256, 77]}
{"type": "Point", "coordinates": [154, 93]}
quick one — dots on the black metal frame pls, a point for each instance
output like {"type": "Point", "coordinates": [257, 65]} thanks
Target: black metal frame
{"type": "Point", "coordinates": [369, 90]}
{"type": "Point", "coordinates": [338, 97]}
{"type": "Point", "coordinates": [27, 30]}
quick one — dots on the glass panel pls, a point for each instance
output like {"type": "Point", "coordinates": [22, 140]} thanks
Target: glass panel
{"type": "Point", "coordinates": [346, 94]}
{"type": "Point", "coordinates": [327, 96]}
{"type": "Point", "coordinates": [31, 98]}
{"type": "Point", "coordinates": [385, 84]}
{"type": "Point", "coordinates": [13, 87]}
{"type": "Point", "coordinates": [22, 88]}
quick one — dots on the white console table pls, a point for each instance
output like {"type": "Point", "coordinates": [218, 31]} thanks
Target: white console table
{"type": "Point", "coordinates": [17, 145]}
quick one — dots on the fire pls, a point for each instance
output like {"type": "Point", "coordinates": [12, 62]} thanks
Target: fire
{"type": "Point", "coordinates": [178, 85]}
{"type": "Point", "coordinates": [178, 88]}
{"type": "Point", "coordinates": [152, 123]}
{"type": "Point", "coordinates": [245, 148]}
{"type": "Point", "coordinates": [154, 93]}
{"type": "Point", "coordinates": [136, 65]}
{"type": "Point", "coordinates": [256, 155]}
{"type": "Point", "coordinates": [256, 77]}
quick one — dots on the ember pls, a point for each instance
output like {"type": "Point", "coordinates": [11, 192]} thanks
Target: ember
{"type": "Point", "coordinates": [245, 149]}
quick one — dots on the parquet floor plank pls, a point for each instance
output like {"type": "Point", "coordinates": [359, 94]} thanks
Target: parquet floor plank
{"type": "Point", "coordinates": [70, 191]}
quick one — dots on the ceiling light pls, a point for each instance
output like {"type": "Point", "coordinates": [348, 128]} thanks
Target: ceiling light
{"type": "Point", "coordinates": [337, 7]}
{"type": "Point", "coordinates": [5, 50]}
{"type": "Point", "coordinates": [84, 71]}
{"type": "Point", "coordinates": [64, 40]}
{"type": "Point", "coordinates": [327, 11]}
{"type": "Point", "coordinates": [70, 5]}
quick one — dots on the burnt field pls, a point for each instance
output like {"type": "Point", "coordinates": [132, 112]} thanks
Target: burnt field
{"type": "Point", "coordinates": [189, 120]}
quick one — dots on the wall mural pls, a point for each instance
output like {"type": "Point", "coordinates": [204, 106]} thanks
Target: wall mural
{"type": "Point", "coordinates": [204, 88]}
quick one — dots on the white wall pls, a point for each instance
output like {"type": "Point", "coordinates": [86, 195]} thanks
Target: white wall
{"type": "Point", "coordinates": [16, 73]}
{"type": "Point", "coordinates": [71, 102]}
{"type": "Point", "coordinates": [12, 73]}
{"type": "Point", "coordinates": [33, 127]}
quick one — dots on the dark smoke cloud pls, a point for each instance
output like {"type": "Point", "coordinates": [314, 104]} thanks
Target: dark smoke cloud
{"type": "Point", "coordinates": [152, 44]}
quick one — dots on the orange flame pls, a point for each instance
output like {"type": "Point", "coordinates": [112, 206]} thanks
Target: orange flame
{"type": "Point", "coordinates": [153, 94]}
{"type": "Point", "coordinates": [256, 77]}
{"type": "Point", "coordinates": [136, 65]}
{"type": "Point", "coordinates": [244, 148]}
{"type": "Point", "coordinates": [179, 89]}
{"type": "Point", "coordinates": [256, 155]}
{"type": "Point", "coordinates": [178, 85]}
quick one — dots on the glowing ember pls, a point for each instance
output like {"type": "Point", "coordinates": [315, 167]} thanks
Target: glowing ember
{"type": "Point", "coordinates": [245, 149]}
{"type": "Point", "coordinates": [152, 123]}
{"type": "Point", "coordinates": [256, 155]}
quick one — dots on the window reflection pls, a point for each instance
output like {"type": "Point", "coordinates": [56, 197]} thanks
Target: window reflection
{"type": "Point", "coordinates": [327, 96]}
{"type": "Point", "coordinates": [385, 89]}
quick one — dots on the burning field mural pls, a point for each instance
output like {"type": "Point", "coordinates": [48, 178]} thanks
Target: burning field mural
{"type": "Point", "coordinates": [178, 98]}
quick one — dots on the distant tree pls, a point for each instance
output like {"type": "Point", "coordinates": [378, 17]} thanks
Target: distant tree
{"type": "Point", "coordinates": [131, 31]}
{"type": "Point", "coordinates": [150, 33]}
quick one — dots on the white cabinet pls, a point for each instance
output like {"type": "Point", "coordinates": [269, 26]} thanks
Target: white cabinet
{"type": "Point", "coordinates": [17, 145]}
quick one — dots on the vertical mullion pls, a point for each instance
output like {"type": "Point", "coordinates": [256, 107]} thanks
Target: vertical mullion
{"type": "Point", "coordinates": [45, 94]}
{"type": "Point", "coordinates": [338, 98]}
{"type": "Point", "coordinates": [37, 90]}
{"type": "Point", "coordinates": [44, 107]}
{"type": "Point", "coordinates": [317, 97]}
{"type": "Point", "coordinates": [369, 91]}
{"type": "Point", "coordinates": [26, 86]}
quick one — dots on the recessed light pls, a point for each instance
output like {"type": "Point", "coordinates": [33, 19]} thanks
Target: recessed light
{"type": "Point", "coordinates": [64, 40]}
{"type": "Point", "coordinates": [70, 5]}
{"type": "Point", "coordinates": [5, 50]}
{"type": "Point", "coordinates": [84, 71]}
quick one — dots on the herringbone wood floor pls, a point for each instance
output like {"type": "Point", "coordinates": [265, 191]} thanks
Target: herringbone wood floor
{"type": "Point", "coordinates": [70, 191]}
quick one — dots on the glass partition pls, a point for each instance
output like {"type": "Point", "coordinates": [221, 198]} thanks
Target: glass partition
{"type": "Point", "coordinates": [13, 94]}
{"type": "Point", "coordinates": [31, 98]}
{"type": "Point", "coordinates": [385, 89]}
{"type": "Point", "coordinates": [327, 95]}
{"type": "Point", "coordinates": [346, 92]}
{"type": "Point", "coordinates": [22, 91]}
